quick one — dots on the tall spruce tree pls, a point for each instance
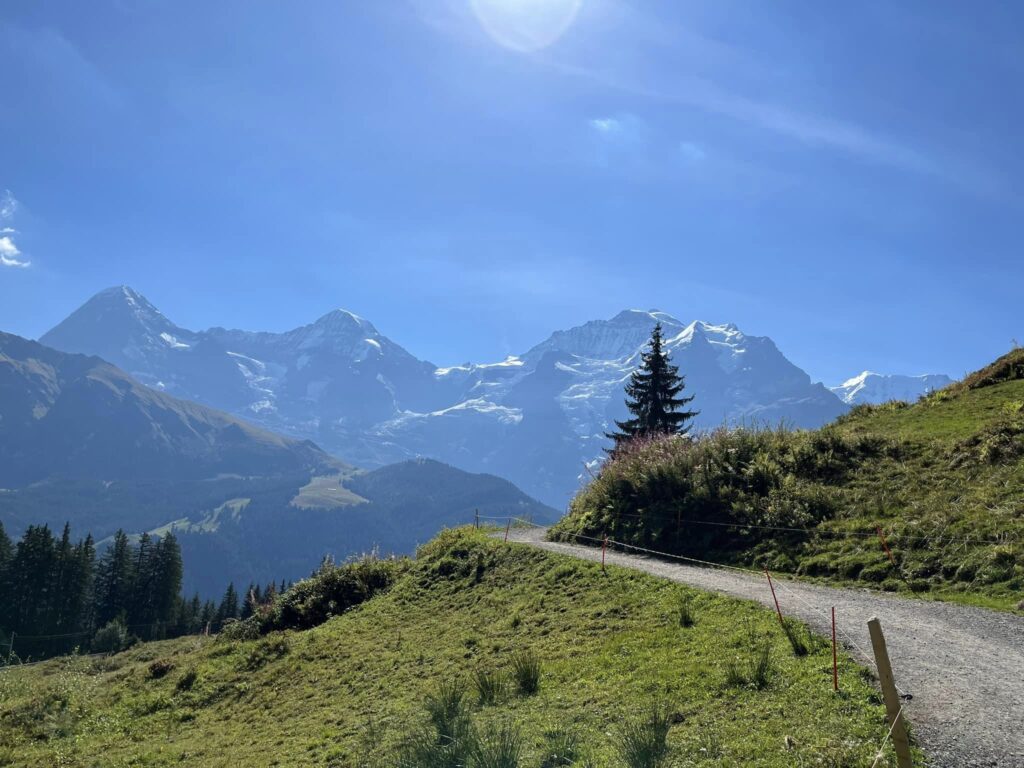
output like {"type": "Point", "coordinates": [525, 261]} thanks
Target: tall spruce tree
{"type": "Point", "coordinates": [114, 579]}
{"type": "Point", "coordinates": [228, 608]}
{"type": "Point", "coordinates": [654, 397]}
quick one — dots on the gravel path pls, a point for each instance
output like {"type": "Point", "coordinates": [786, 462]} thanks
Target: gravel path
{"type": "Point", "coordinates": [963, 666]}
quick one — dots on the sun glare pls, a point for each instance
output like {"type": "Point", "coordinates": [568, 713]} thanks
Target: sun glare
{"type": "Point", "coordinates": [526, 25]}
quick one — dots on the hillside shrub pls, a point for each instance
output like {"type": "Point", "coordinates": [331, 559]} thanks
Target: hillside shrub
{"type": "Point", "coordinates": [331, 591]}
{"type": "Point", "coordinates": [111, 638]}
{"type": "Point", "coordinates": [159, 668]}
{"type": "Point", "coordinates": [711, 493]}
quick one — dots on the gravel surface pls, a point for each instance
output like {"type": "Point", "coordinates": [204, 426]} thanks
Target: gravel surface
{"type": "Point", "coordinates": [963, 666]}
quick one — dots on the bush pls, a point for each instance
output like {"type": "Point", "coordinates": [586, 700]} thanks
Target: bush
{"type": "Point", "coordinates": [526, 669]}
{"type": "Point", "coordinates": [747, 483]}
{"type": "Point", "coordinates": [111, 638]}
{"type": "Point", "coordinates": [643, 743]}
{"type": "Point", "coordinates": [159, 668]}
{"type": "Point", "coordinates": [331, 591]}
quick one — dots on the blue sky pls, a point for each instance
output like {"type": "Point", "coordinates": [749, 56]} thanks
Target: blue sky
{"type": "Point", "coordinates": [472, 174]}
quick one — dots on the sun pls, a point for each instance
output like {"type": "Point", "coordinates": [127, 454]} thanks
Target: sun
{"type": "Point", "coordinates": [525, 25]}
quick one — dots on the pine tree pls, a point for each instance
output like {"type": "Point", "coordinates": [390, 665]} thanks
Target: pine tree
{"type": "Point", "coordinates": [6, 553]}
{"type": "Point", "coordinates": [228, 608]}
{"type": "Point", "coordinates": [30, 583]}
{"type": "Point", "coordinates": [166, 584]}
{"type": "Point", "coordinates": [250, 601]}
{"type": "Point", "coordinates": [114, 579]}
{"type": "Point", "coordinates": [653, 397]}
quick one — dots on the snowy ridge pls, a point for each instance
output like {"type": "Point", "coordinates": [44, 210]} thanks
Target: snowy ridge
{"type": "Point", "coordinates": [870, 387]}
{"type": "Point", "coordinates": [535, 418]}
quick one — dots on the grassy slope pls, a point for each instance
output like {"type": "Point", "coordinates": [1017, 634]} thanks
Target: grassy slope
{"type": "Point", "coordinates": [346, 692]}
{"type": "Point", "coordinates": [927, 477]}
{"type": "Point", "coordinates": [936, 499]}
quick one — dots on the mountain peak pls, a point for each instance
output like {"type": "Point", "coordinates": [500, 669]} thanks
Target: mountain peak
{"type": "Point", "coordinates": [115, 324]}
{"type": "Point", "coordinates": [646, 317]}
{"type": "Point", "coordinates": [342, 319]}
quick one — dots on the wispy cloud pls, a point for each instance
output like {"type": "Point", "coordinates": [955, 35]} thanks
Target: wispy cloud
{"type": "Point", "coordinates": [10, 254]}
{"type": "Point", "coordinates": [691, 152]}
{"type": "Point", "coordinates": [809, 129]}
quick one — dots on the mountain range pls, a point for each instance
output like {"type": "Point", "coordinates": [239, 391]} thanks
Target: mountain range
{"type": "Point", "coordinates": [83, 442]}
{"type": "Point", "coordinates": [538, 418]}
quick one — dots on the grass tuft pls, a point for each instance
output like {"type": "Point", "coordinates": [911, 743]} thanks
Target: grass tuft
{"type": "Point", "coordinates": [526, 670]}
{"type": "Point", "coordinates": [643, 742]}
{"type": "Point", "coordinates": [490, 686]}
{"type": "Point", "coordinates": [561, 748]}
{"type": "Point", "coordinates": [502, 748]}
{"type": "Point", "coordinates": [448, 712]}
{"type": "Point", "coordinates": [686, 614]}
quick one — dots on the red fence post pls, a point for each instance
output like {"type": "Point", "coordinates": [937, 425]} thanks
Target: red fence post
{"type": "Point", "coordinates": [885, 546]}
{"type": "Point", "coordinates": [506, 529]}
{"type": "Point", "coordinates": [776, 599]}
{"type": "Point", "coordinates": [835, 663]}
{"type": "Point", "coordinates": [604, 547]}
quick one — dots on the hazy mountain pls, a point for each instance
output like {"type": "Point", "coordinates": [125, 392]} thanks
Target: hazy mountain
{"type": "Point", "coordinates": [84, 442]}
{"type": "Point", "coordinates": [869, 387]}
{"type": "Point", "coordinates": [73, 416]}
{"type": "Point", "coordinates": [535, 418]}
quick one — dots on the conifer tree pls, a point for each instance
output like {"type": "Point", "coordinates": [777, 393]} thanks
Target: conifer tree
{"type": "Point", "coordinates": [6, 553]}
{"type": "Point", "coordinates": [228, 608]}
{"type": "Point", "coordinates": [654, 397]}
{"type": "Point", "coordinates": [166, 582]}
{"type": "Point", "coordinates": [114, 579]}
{"type": "Point", "coordinates": [250, 601]}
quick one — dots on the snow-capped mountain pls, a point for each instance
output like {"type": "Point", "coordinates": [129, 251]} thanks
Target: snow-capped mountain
{"type": "Point", "coordinates": [868, 387]}
{"type": "Point", "coordinates": [537, 418]}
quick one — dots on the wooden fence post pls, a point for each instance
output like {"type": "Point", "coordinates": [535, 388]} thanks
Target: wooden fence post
{"type": "Point", "coordinates": [889, 693]}
{"type": "Point", "coordinates": [477, 518]}
{"type": "Point", "coordinates": [507, 527]}
{"type": "Point", "coordinates": [604, 547]}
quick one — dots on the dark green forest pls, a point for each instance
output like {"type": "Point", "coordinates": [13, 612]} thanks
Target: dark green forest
{"type": "Point", "coordinates": [58, 595]}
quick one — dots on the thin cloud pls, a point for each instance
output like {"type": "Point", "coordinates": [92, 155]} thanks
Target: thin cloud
{"type": "Point", "coordinates": [691, 152]}
{"type": "Point", "coordinates": [806, 128]}
{"type": "Point", "coordinates": [10, 254]}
